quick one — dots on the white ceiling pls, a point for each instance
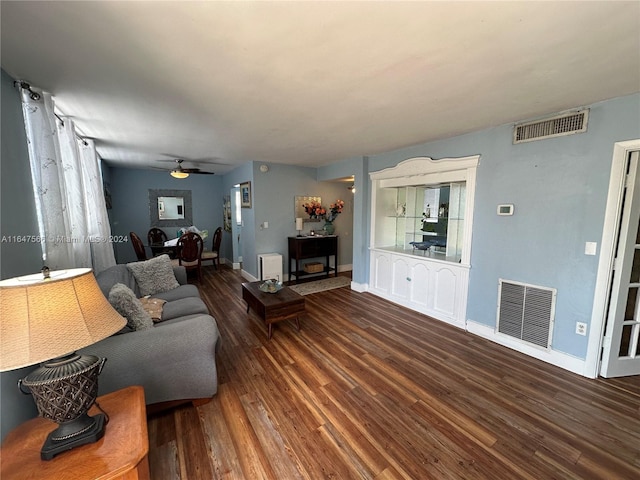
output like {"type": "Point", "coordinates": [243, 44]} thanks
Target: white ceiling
{"type": "Point", "coordinates": [312, 83]}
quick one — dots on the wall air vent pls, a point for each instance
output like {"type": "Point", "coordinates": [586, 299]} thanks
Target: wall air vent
{"type": "Point", "coordinates": [526, 312]}
{"type": "Point", "coordinates": [563, 124]}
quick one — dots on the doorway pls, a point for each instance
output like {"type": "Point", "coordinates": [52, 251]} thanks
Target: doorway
{"type": "Point", "coordinates": [236, 228]}
{"type": "Point", "coordinates": [620, 345]}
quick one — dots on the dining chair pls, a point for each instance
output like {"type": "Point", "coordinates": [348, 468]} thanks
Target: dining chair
{"type": "Point", "coordinates": [156, 238]}
{"type": "Point", "coordinates": [138, 246]}
{"type": "Point", "coordinates": [214, 254]}
{"type": "Point", "coordinates": [189, 252]}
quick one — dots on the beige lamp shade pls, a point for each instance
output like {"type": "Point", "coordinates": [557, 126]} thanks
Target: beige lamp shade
{"type": "Point", "coordinates": [41, 319]}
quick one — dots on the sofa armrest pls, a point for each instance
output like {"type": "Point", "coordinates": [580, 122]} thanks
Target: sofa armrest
{"type": "Point", "coordinates": [181, 274]}
{"type": "Point", "coordinates": [172, 361]}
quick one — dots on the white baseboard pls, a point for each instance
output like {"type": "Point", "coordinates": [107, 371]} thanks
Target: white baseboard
{"type": "Point", "coordinates": [559, 359]}
{"type": "Point", "coordinates": [248, 276]}
{"type": "Point", "coordinates": [359, 287]}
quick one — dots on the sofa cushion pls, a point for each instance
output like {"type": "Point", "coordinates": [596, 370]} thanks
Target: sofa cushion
{"type": "Point", "coordinates": [117, 274]}
{"type": "Point", "coordinates": [126, 304]}
{"type": "Point", "coordinates": [183, 291]}
{"type": "Point", "coordinates": [184, 307]}
{"type": "Point", "coordinates": [154, 275]}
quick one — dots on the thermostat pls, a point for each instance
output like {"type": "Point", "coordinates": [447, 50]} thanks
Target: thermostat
{"type": "Point", "coordinates": [506, 209]}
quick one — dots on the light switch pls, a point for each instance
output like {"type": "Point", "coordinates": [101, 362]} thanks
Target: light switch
{"type": "Point", "coordinates": [266, 224]}
{"type": "Point", "coordinates": [590, 248]}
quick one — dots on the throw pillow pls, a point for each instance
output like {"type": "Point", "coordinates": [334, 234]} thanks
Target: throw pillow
{"type": "Point", "coordinates": [126, 304]}
{"type": "Point", "coordinates": [153, 306]}
{"type": "Point", "coordinates": [154, 275]}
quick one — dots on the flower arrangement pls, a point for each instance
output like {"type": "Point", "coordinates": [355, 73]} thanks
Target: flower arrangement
{"type": "Point", "coordinates": [314, 209]}
{"type": "Point", "coordinates": [335, 209]}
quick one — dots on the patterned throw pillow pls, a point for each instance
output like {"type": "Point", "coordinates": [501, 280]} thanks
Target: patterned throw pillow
{"type": "Point", "coordinates": [126, 304]}
{"type": "Point", "coordinates": [153, 306]}
{"type": "Point", "coordinates": [154, 275]}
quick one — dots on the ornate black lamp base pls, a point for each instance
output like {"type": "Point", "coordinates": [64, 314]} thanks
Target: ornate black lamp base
{"type": "Point", "coordinates": [64, 390]}
{"type": "Point", "coordinates": [60, 441]}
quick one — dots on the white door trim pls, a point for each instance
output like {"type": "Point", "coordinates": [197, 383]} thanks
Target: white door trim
{"type": "Point", "coordinates": [605, 264]}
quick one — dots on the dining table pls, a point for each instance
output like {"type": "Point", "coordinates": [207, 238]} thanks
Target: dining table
{"type": "Point", "coordinates": [162, 248]}
{"type": "Point", "coordinates": [170, 247]}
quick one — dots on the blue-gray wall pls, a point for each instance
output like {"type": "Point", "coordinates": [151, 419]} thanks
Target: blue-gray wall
{"type": "Point", "coordinates": [359, 168]}
{"type": "Point", "coordinates": [241, 174]}
{"type": "Point", "coordinates": [274, 194]}
{"type": "Point", "coordinates": [559, 189]}
{"type": "Point", "coordinates": [130, 200]}
{"type": "Point", "coordinates": [273, 201]}
{"type": "Point", "coordinates": [18, 217]}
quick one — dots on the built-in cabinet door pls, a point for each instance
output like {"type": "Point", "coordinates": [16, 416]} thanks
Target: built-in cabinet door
{"type": "Point", "coordinates": [446, 283]}
{"type": "Point", "coordinates": [400, 278]}
{"type": "Point", "coordinates": [434, 288]}
{"type": "Point", "coordinates": [380, 271]}
{"type": "Point", "coordinates": [420, 283]}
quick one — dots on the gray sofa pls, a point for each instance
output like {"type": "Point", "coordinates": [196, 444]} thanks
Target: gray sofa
{"type": "Point", "coordinates": [174, 360]}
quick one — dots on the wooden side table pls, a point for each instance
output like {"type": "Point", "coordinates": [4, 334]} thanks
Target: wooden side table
{"type": "Point", "coordinates": [121, 454]}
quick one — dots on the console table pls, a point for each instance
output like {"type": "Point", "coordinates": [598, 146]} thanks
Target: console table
{"type": "Point", "coordinates": [301, 248]}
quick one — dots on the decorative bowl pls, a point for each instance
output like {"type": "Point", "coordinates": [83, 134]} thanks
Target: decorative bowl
{"type": "Point", "coordinates": [271, 286]}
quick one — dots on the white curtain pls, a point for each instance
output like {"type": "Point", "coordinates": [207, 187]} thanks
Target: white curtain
{"type": "Point", "coordinates": [48, 180]}
{"type": "Point", "coordinates": [98, 222]}
{"type": "Point", "coordinates": [72, 216]}
{"type": "Point", "coordinates": [73, 180]}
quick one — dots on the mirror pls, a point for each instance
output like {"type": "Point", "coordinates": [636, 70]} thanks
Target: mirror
{"type": "Point", "coordinates": [170, 208]}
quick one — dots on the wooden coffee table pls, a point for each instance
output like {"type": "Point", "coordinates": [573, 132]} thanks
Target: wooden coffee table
{"type": "Point", "coordinates": [273, 307]}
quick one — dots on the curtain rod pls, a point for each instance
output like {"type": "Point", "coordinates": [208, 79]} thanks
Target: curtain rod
{"type": "Point", "coordinates": [79, 137]}
{"type": "Point", "coordinates": [36, 96]}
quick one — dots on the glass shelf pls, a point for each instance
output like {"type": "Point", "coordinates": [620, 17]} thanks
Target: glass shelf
{"type": "Point", "coordinates": [423, 220]}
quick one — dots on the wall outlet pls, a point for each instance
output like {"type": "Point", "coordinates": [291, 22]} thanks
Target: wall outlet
{"type": "Point", "coordinates": [581, 328]}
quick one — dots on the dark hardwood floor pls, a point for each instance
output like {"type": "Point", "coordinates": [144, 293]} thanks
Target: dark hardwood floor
{"type": "Point", "coordinates": [368, 389]}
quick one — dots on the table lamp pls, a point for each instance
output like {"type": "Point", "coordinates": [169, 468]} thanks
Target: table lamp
{"type": "Point", "coordinates": [299, 226]}
{"type": "Point", "coordinates": [43, 318]}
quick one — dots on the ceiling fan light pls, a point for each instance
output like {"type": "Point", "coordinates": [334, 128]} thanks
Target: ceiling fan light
{"type": "Point", "coordinates": [179, 174]}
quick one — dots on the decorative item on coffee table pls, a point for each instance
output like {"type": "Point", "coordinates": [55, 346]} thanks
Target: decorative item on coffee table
{"type": "Point", "coordinates": [271, 286]}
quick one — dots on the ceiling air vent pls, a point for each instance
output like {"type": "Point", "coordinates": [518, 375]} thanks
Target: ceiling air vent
{"type": "Point", "coordinates": [564, 124]}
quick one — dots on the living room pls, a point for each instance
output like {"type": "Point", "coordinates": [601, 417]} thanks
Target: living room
{"type": "Point", "coordinates": [559, 188]}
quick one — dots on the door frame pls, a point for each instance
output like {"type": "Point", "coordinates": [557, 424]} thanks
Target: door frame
{"type": "Point", "coordinates": [621, 151]}
{"type": "Point", "coordinates": [236, 231]}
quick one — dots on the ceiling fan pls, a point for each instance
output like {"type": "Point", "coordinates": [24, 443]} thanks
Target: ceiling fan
{"type": "Point", "coordinates": [181, 172]}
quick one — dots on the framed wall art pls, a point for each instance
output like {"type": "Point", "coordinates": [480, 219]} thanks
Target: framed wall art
{"type": "Point", "coordinates": [300, 212]}
{"type": "Point", "coordinates": [245, 195]}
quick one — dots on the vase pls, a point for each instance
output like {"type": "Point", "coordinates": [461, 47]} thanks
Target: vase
{"type": "Point", "coordinates": [329, 229]}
